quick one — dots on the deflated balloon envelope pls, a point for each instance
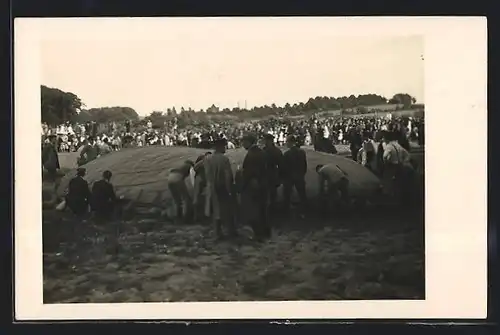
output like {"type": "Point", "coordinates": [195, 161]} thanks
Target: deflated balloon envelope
{"type": "Point", "coordinates": [140, 174]}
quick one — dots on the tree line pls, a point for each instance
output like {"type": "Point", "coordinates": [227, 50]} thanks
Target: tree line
{"type": "Point", "coordinates": [59, 106]}
{"type": "Point", "coordinates": [361, 104]}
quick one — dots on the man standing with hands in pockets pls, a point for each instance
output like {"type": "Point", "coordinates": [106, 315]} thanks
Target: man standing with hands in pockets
{"type": "Point", "coordinates": [219, 178]}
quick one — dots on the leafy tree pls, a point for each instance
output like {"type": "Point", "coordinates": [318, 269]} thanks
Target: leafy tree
{"type": "Point", "coordinates": [59, 106]}
{"type": "Point", "coordinates": [403, 99]}
{"type": "Point", "coordinates": [158, 118]}
{"type": "Point", "coordinates": [108, 114]}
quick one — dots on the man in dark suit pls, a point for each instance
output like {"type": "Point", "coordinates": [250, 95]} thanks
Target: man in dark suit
{"type": "Point", "coordinates": [78, 195]}
{"type": "Point", "coordinates": [50, 159]}
{"type": "Point", "coordinates": [294, 172]}
{"type": "Point", "coordinates": [104, 201]}
{"type": "Point", "coordinates": [93, 129]}
{"type": "Point", "coordinates": [254, 186]}
{"type": "Point", "coordinates": [355, 142]}
{"type": "Point", "coordinates": [274, 158]}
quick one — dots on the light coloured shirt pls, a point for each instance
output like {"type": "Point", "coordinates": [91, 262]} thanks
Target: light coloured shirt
{"type": "Point", "coordinates": [331, 173]}
{"type": "Point", "coordinates": [105, 149]}
{"type": "Point", "coordinates": [218, 164]}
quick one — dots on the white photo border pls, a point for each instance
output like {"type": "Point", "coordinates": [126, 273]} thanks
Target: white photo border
{"type": "Point", "coordinates": [456, 173]}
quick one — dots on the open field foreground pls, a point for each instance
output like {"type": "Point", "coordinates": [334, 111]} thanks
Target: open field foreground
{"type": "Point", "coordinates": [145, 257]}
{"type": "Point", "coordinates": [149, 259]}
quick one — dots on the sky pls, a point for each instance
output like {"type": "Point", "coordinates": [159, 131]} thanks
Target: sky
{"type": "Point", "coordinates": [228, 62]}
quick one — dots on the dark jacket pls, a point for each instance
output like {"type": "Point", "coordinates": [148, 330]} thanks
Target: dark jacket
{"type": "Point", "coordinates": [274, 159]}
{"type": "Point", "coordinates": [78, 195]}
{"type": "Point", "coordinates": [403, 140]}
{"type": "Point", "coordinates": [355, 140]}
{"type": "Point", "coordinates": [254, 168]}
{"type": "Point", "coordinates": [103, 195]}
{"type": "Point", "coordinates": [294, 164]}
{"type": "Point", "coordinates": [380, 158]}
{"type": "Point", "coordinates": [50, 159]}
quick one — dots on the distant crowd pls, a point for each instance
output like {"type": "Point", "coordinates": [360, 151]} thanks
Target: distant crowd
{"type": "Point", "coordinates": [322, 133]}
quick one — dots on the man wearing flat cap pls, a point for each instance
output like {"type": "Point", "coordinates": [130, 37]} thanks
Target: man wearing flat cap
{"type": "Point", "coordinates": [254, 188]}
{"type": "Point", "coordinates": [274, 158]}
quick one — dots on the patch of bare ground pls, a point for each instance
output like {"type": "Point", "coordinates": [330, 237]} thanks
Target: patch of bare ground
{"type": "Point", "coordinates": [148, 259]}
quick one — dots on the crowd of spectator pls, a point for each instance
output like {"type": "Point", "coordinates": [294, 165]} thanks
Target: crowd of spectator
{"type": "Point", "coordinates": [321, 133]}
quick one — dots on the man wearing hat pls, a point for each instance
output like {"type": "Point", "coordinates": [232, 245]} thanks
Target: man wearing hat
{"type": "Point", "coordinates": [294, 172]}
{"type": "Point", "coordinates": [254, 188]}
{"type": "Point", "coordinates": [78, 196]}
{"type": "Point", "coordinates": [274, 158]}
{"type": "Point", "coordinates": [220, 188]}
{"type": "Point", "coordinates": [176, 182]}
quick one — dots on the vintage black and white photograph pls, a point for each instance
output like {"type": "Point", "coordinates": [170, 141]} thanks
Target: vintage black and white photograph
{"type": "Point", "coordinates": [237, 160]}
{"type": "Point", "coordinates": [171, 173]}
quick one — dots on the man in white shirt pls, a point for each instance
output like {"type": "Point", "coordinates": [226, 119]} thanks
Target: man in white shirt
{"type": "Point", "coordinates": [395, 154]}
{"type": "Point", "coordinates": [230, 145]}
{"type": "Point", "coordinates": [333, 186]}
{"type": "Point", "coordinates": [397, 167]}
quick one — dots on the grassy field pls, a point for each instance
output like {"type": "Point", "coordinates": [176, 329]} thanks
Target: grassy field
{"type": "Point", "coordinates": [154, 260]}
{"type": "Point", "coordinates": [367, 254]}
